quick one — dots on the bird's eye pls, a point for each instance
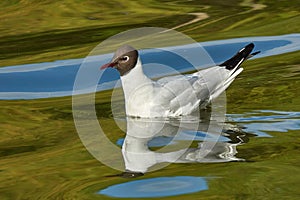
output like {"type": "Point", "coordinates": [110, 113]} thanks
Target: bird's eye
{"type": "Point", "coordinates": [125, 58]}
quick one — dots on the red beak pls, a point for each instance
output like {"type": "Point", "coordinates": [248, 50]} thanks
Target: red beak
{"type": "Point", "coordinates": [107, 65]}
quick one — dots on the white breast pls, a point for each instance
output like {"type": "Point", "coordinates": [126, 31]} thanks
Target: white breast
{"type": "Point", "coordinates": [138, 91]}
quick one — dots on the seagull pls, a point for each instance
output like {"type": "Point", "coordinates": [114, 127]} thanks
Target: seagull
{"type": "Point", "coordinates": [172, 96]}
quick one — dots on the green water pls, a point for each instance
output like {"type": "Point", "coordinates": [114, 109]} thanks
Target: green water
{"type": "Point", "coordinates": [42, 157]}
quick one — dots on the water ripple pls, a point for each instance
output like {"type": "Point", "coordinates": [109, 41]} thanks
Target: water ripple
{"type": "Point", "coordinates": [263, 121]}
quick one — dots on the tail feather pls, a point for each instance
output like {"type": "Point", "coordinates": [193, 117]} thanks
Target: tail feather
{"type": "Point", "coordinates": [233, 64]}
{"type": "Point", "coordinates": [253, 54]}
{"type": "Point", "coordinates": [239, 58]}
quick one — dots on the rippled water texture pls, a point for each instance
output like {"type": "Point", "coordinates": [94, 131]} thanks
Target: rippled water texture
{"type": "Point", "coordinates": [255, 155]}
{"type": "Point", "coordinates": [239, 130]}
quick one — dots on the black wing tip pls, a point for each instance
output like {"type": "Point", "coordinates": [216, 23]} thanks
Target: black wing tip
{"type": "Point", "coordinates": [251, 45]}
{"type": "Point", "coordinates": [241, 55]}
{"type": "Point", "coordinates": [247, 49]}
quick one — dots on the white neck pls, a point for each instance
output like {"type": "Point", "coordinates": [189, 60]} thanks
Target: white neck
{"type": "Point", "coordinates": [134, 77]}
{"type": "Point", "coordinates": [137, 87]}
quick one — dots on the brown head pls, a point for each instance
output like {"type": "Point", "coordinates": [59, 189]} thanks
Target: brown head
{"type": "Point", "coordinates": [124, 59]}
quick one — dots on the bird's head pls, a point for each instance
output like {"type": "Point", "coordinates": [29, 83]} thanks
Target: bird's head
{"type": "Point", "coordinates": [124, 59]}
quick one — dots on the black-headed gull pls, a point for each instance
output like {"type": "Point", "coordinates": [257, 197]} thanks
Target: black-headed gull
{"type": "Point", "coordinates": [175, 95]}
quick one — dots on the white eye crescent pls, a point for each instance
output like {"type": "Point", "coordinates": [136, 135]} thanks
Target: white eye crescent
{"type": "Point", "coordinates": [125, 58]}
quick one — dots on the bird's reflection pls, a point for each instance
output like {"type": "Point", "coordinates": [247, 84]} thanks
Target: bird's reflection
{"type": "Point", "coordinates": [151, 144]}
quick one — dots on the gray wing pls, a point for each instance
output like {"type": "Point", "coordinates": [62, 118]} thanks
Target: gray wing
{"type": "Point", "coordinates": [183, 94]}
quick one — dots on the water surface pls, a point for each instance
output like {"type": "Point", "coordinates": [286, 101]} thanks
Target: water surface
{"type": "Point", "coordinates": [240, 129]}
{"type": "Point", "coordinates": [255, 157]}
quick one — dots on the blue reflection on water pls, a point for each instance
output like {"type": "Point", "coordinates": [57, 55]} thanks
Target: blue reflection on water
{"type": "Point", "coordinates": [161, 141]}
{"type": "Point", "coordinates": [156, 187]}
{"type": "Point", "coordinates": [54, 79]}
{"type": "Point", "coordinates": [258, 122]}
{"type": "Point", "coordinates": [261, 122]}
